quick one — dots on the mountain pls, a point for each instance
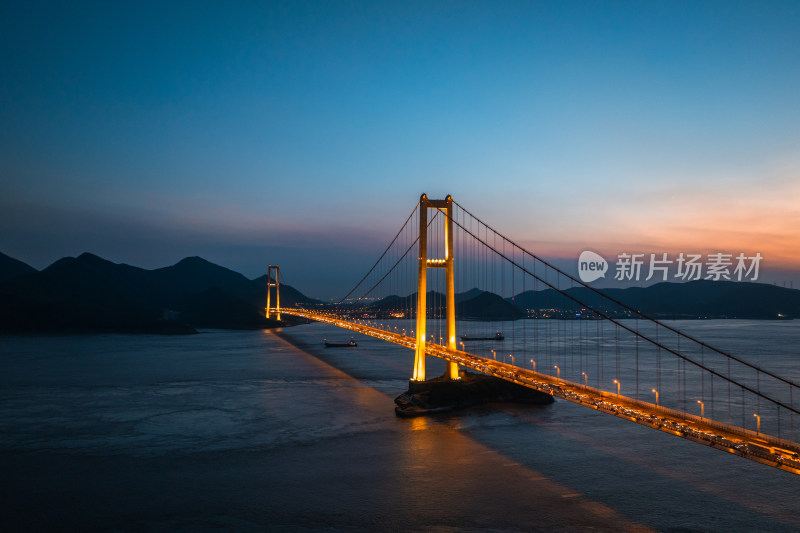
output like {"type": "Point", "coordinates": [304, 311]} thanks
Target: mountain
{"type": "Point", "coordinates": [695, 299]}
{"type": "Point", "coordinates": [488, 306]}
{"type": "Point", "coordinates": [83, 294]}
{"type": "Point", "coordinates": [91, 294]}
{"type": "Point", "coordinates": [434, 303]}
{"type": "Point", "coordinates": [473, 304]}
{"type": "Point", "coordinates": [289, 295]}
{"type": "Point", "coordinates": [12, 268]}
{"type": "Point", "coordinates": [467, 295]}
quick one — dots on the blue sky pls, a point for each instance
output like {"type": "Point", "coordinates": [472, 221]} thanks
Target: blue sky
{"type": "Point", "coordinates": [303, 133]}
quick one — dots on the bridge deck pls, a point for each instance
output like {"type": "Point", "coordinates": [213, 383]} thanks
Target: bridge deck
{"type": "Point", "coordinates": [766, 449]}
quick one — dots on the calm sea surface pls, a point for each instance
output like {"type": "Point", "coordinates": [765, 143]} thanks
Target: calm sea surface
{"type": "Point", "coordinates": [257, 431]}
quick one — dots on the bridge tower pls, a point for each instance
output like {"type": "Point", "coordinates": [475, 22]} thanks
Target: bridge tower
{"type": "Point", "coordinates": [277, 286]}
{"type": "Point", "coordinates": [445, 205]}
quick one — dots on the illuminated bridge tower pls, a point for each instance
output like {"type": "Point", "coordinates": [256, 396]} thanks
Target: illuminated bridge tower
{"type": "Point", "coordinates": [445, 205]}
{"type": "Point", "coordinates": [277, 286]}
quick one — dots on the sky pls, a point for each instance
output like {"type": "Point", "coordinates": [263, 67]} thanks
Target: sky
{"type": "Point", "coordinates": [303, 133]}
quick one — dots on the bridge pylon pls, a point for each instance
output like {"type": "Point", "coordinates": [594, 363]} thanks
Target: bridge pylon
{"type": "Point", "coordinates": [277, 286]}
{"type": "Point", "coordinates": [425, 263]}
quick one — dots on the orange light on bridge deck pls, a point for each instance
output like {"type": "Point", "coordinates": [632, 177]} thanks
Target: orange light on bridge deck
{"type": "Point", "coordinates": [758, 423]}
{"type": "Point", "coordinates": [618, 385]}
{"type": "Point", "coordinates": [512, 358]}
{"type": "Point", "coordinates": [494, 355]}
{"type": "Point", "coordinates": [702, 409]}
{"type": "Point", "coordinates": [534, 365]}
{"type": "Point", "coordinates": [585, 379]}
{"type": "Point", "coordinates": [656, 397]}
{"type": "Point", "coordinates": [558, 371]}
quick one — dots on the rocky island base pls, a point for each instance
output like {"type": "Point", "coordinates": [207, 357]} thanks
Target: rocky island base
{"type": "Point", "coordinates": [442, 394]}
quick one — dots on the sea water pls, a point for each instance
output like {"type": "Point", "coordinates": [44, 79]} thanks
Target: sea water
{"type": "Point", "coordinates": [268, 430]}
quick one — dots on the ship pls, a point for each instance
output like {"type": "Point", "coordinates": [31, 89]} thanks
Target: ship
{"type": "Point", "coordinates": [349, 344]}
{"type": "Point", "coordinates": [497, 337]}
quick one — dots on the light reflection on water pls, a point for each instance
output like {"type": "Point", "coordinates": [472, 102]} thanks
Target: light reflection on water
{"type": "Point", "coordinates": [314, 429]}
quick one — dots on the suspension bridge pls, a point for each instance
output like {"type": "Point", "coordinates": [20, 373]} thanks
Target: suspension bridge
{"type": "Point", "coordinates": [446, 269]}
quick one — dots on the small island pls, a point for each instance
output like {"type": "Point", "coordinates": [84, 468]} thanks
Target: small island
{"type": "Point", "coordinates": [443, 394]}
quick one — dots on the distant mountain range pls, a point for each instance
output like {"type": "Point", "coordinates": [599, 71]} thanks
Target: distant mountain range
{"type": "Point", "coordinates": [12, 268]}
{"type": "Point", "coordinates": [91, 294]}
{"type": "Point", "coordinates": [696, 299]}
{"type": "Point", "coordinates": [473, 304]}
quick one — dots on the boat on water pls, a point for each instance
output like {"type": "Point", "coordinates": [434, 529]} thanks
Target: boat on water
{"type": "Point", "coordinates": [497, 337]}
{"type": "Point", "coordinates": [350, 344]}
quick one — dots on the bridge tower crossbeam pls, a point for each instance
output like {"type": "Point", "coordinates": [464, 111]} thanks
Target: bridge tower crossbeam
{"type": "Point", "coordinates": [425, 263]}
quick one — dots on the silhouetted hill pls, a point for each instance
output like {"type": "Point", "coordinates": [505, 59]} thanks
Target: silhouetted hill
{"type": "Point", "coordinates": [472, 304]}
{"type": "Point", "coordinates": [289, 295]}
{"type": "Point", "coordinates": [407, 304]}
{"type": "Point", "coordinates": [695, 299]}
{"type": "Point", "coordinates": [91, 294]}
{"type": "Point", "coordinates": [194, 274]}
{"type": "Point", "coordinates": [12, 268]}
{"type": "Point", "coordinates": [84, 294]}
{"type": "Point", "coordinates": [433, 299]}
{"type": "Point", "coordinates": [467, 295]}
{"type": "Point", "coordinates": [488, 306]}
